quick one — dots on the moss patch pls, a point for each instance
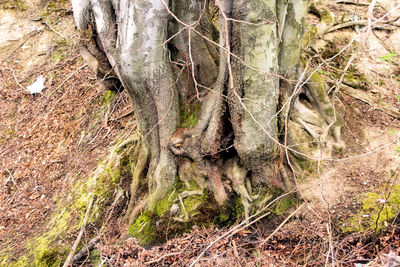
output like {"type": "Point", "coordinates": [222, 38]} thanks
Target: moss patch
{"type": "Point", "coordinates": [179, 211]}
{"type": "Point", "coordinates": [144, 229]}
{"type": "Point", "coordinates": [189, 116]}
{"type": "Point", "coordinates": [285, 203]}
{"type": "Point", "coordinates": [13, 4]}
{"type": "Point", "coordinates": [51, 247]}
{"type": "Point", "coordinates": [108, 97]}
{"type": "Point", "coordinates": [377, 211]}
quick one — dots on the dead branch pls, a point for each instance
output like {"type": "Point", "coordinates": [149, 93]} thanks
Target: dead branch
{"type": "Point", "coordinates": [372, 101]}
{"type": "Point", "coordinates": [69, 259]}
{"type": "Point", "coordinates": [124, 115]}
{"type": "Point", "coordinates": [85, 250]}
{"type": "Point", "coordinates": [352, 2]}
{"type": "Point", "coordinates": [386, 27]}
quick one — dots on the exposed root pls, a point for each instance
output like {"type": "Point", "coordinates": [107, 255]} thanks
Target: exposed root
{"type": "Point", "coordinates": [137, 177]}
{"type": "Point", "coordinates": [138, 208]}
{"type": "Point", "coordinates": [241, 185]}
{"type": "Point", "coordinates": [183, 195]}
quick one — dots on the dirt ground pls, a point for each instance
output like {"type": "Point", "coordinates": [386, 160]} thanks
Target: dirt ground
{"type": "Point", "coordinates": [50, 140]}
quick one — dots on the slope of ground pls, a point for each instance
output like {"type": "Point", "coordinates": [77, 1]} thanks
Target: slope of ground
{"type": "Point", "coordinates": [53, 140]}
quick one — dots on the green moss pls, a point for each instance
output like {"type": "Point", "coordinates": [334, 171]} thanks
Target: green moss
{"type": "Point", "coordinates": [285, 203]}
{"type": "Point", "coordinates": [191, 118]}
{"type": "Point", "coordinates": [50, 248]}
{"type": "Point", "coordinates": [324, 14]}
{"type": "Point", "coordinates": [95, 258]}
{"type": "Point", "coordinates": [305, 164]}
{"type": "Point", "coordinates": [223, 217]}
{"type": "Point", "coordinates": [58, 56]}
{"type": "Point", "coordinates": [319, 84]}
{"type": "Point", "coordinates": [377, 210]}
{"type": "Point", "coordinates": [55, 6]}
{"type": "Point", "coordinates": [143, 229]}
{"type": "Point", "coordinates": [391, 57]}
{"type": "Point", "coordinates": [50, 257]}
{"type": "Point", "coordinates": [6, 135]}
{"type": "Point", "coordinates": [310, 36]}
{"type": "Point", "coordinates": [165, 204]}
{"type": "Point", "coordinates": [108, 97]}
{"type": "Point", "coordinates": [13, 4]}
{"type": "Point", "coordinates": [238, 209]}
{"type": "Point", "coordinates": [193, 202]}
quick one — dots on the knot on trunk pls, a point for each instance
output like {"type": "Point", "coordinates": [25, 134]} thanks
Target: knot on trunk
{"type": "Point", "coordinates": [184, 143]}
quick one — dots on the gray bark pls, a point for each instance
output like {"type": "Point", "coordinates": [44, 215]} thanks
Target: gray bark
{"type": "Point", "coordinates": [239, 75]}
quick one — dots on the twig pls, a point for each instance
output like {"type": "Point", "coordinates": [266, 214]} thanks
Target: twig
{"type": "Point", "coordinates": [330, 246]}
{"type": "Point", "coordinates": [16, 80]}
{"type": "Point", "coordinates": [244, 224]}
{"type": "Point", "coordinates": [11, 178]}
{"type": "Point", "coordinates": [352, 2]}
{"type": "Point", "coordinates": [124, 115]}
{"type": "Point", "coordinates": [68, 261]}
{"type": "Point", "coordinates": [282, 224]}
{"type": "Point", "coordinates": [62, 84]}
{"type": "Point", "coordinates": [52, 29]}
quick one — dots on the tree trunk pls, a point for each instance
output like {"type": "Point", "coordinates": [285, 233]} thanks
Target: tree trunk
{"type": "Point", "coordinates": [240, 62]}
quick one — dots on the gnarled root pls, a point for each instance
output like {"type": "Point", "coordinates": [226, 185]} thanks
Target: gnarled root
{"type": "Point", "coordinates": [241, 185]}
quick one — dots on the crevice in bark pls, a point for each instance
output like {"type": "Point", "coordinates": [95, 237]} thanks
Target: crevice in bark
{"type": "Point", "coordinates": [234, 146]}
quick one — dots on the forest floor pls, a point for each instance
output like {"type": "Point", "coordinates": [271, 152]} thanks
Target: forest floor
{"type": "Point", "coordinates": [51, 140]}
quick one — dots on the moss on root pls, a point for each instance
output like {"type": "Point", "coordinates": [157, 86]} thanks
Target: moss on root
{"type": "Point", "coordinates": [166, 220]}
{"type": "Point", "coordinates": [144, 229]}
{"type": "Point", "coordinates": [182, 208]}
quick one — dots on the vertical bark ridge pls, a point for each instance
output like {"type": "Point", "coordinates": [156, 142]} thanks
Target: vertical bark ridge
{"type": "Point", "coordinates": [255, 41]}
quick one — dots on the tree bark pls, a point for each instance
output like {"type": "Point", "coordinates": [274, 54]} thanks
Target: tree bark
{"type": "Point", "coordinates": [241, 61]}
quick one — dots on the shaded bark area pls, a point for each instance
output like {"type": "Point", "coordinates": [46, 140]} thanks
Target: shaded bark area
{"type": "Point", "coordinates": [240, 60]}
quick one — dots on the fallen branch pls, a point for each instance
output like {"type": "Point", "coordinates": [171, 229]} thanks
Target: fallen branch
{"type": "Point", "coordinates": [372, 101]}
{"type": "Point", "coordinates": [387, 27]}
{"type": "Point", "coordinates": [68, 261]}
{"type": "Point", "coordinates": [352, 2]}
{"type": "Point", "coordinates": [85, 250]}
{"type": "Point", "coordinates": [124, 115]}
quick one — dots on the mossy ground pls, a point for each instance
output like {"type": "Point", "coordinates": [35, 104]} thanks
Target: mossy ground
{"type": "Point", "coordinates": [144, 228]}
{"type": "Point", "coordinates": [153, 228]}
{"type": "Point", "coordinates": [377, 211]}
{"type": "Point", "coordinates": [52, 246]}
